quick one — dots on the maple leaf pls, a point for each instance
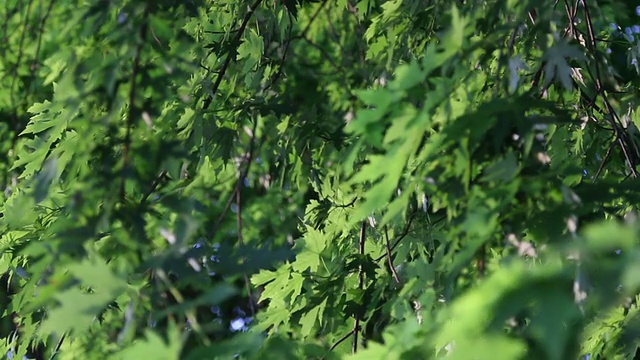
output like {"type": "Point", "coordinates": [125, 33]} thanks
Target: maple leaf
{"type": "Point", "coordinates": [556, 66]}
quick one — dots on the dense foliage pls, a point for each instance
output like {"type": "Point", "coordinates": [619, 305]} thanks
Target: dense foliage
{"type": "Point", "coordinates": [319, 179]}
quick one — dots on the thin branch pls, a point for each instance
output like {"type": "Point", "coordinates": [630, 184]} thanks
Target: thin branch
{"type": "Point", "coordinates": [303, 36]}
{"type": "Point", "coordinates": [241, 242]}
{"type": "Point", "coordinates": [234, 46]}
{"type": "Point", "coordinates": [277, 75]}
{"type": "Point", "coordinates": [237, 195]}
{"type": "Point", "coordinates": [37, 54]}
{"type": "Point", "coordinates": [132, 107]}
{"type": "Point", "coordinates": [481, 261]}
{"type": "Point", "coordinates": [20, 54]}
{"type": "Point", "coordinates": [220, 32]}
{"type": "Point", "coordinates": [335, 206]}
{"type": "Point", "coordinates": [225, 210]}
{"type": "Point", "coordinates": [313, 17]}
{"type": "Point", "coordinates": [512, 40]}
{"type": "Point", "coordinates": [341, 340]}
{"type": "Point", "coordinates": [604, 161]}
{"type": "Point", "coordinates": [356, 326]}
{"type": "Point", "coordinates": [403, 234]}
{"type": "Point", "coordinates": [154, 186]}
{"type": "Point", "coordinates": [614, 120]}
{"type": "Point", "coordinates": [324, 53]}
{"type": "Point", "coordinates": [334, 32]}
{"type": "Point", "coordinates": [190, 314]}
{"type": "Point", "coordinates": [56, 349]}
{"type": "Point", "coordinates": [389, 259]}
{"type": "Point", "coordinates": [249, 160]}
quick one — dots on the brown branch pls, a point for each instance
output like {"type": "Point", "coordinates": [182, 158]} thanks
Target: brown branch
{"type": "Point", "coordinates": [227, 61]}
{"type": "Point", "coordinates": [132, 107]}
{"type": "Point", "coordinates": [389, 259]}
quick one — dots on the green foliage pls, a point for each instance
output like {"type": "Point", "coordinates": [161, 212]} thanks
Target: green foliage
{"type": "Point", "coordinates": [359, 179]}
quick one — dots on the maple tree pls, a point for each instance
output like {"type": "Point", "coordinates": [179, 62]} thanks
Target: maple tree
{"type": "Point", "coordinates": [319, 179]}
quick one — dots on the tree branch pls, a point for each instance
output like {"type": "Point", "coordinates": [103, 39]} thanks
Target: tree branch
{"type": "Point", "coordinates": [614, 119]}
{"type": "Point", "coordinates": [132, 106]}
{"type": "Point", "coordinates": [341, 340]}
{"type": "Point", "coordinates": [405, 232]}
{"type": "Point", "coordinates": [249, 159]}
{"type": "Point", "coordinates": [389, 260]}
{"type": "Point", "coordinates": [356, 326]}
{"type": "Point", "coordinates": [227, 61]}
{"type": "Point", "coordinates": [277, 75]}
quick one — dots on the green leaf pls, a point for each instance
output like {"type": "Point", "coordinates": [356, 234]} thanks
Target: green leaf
{"type": "Point", "coordinates": [556, 66]}
{"type": "Point", "coordinates": [155, 347]}
{"type": "Point", "coordinates": [407, 76]}
{"type": "Point", "coordinates": [251, 50]}
{"type": "Point", "coordinates": [502, 170]}
{"type": "Point", "coordinates": [44, 178]}
{"type": "Point", "coordinates": [311, 318]}
{"type": "Point", "coordinates": [313, 243]}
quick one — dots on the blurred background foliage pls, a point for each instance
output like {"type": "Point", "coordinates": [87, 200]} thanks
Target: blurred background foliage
{"type": "Point", "coordinates": [319, 179]}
